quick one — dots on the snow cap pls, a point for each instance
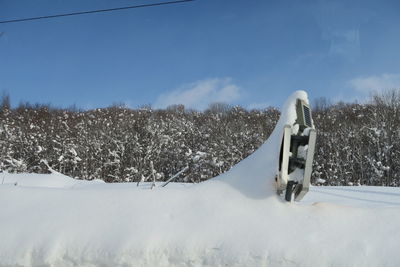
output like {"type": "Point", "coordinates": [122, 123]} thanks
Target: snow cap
{"type": "Point", "coordinates": [288, 111]}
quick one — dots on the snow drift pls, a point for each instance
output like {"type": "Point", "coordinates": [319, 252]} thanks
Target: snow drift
{"type": "Point", "coordinates": [235, 219]}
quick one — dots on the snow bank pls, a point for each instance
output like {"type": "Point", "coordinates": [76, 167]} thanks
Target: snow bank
{"type": "Point", "coordinates": [233, 220]}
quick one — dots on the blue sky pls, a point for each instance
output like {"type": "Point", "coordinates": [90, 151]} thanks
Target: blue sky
{"type": "Point", "coordinates": [252, 53]}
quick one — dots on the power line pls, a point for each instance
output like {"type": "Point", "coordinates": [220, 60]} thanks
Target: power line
{"type": "Point", "coordinates": [95, 11]}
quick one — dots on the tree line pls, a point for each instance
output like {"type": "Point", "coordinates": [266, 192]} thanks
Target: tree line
{"type": "Point", "coordinates": [356, 143]}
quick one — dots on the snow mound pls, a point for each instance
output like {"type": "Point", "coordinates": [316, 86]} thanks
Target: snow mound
{"type": "Point", "coordinates": [255, 175]}
{"type": "Point", "coordinates": [55, 180]}
{"type": "Point", "coordinates": [235, 219]}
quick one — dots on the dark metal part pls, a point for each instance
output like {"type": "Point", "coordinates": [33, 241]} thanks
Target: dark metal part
{"type": "Point", "coordinates": [289, 190]}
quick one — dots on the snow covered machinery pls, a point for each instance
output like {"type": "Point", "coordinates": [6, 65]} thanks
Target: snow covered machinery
{"type": "Point", "coordinates": [296, 155]}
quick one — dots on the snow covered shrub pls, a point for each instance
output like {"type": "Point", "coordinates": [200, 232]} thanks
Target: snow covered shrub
{"type": "Point", "coordinates": [356, 143]}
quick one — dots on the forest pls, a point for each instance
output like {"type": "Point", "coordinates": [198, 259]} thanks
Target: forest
{"type": "Point", "coordinates": [357, 143]}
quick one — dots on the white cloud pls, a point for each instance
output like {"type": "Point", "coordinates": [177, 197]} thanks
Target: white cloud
{"type": "Point", "coordinates": [200, 94]}
{"type": "Point", "coordinates": [258, 105]}
{"type": "Point", "coordinates": [376, 83]}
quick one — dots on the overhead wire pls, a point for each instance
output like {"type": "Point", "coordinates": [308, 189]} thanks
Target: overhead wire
{"type": "Point", "coordinates": [95, 11]}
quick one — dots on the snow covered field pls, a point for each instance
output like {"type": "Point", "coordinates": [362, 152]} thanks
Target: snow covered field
{"type": "Point", "coordinates": [235, 219]}
{"type": "Point", "coordinates": [70, 223]}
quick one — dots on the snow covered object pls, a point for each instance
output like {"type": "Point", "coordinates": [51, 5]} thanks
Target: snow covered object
{"type": "Point", "coordinates": [297, 151]}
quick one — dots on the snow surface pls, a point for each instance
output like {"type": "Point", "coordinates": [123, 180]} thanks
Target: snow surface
{"type": "Point", "coordinates": [235, 219]}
